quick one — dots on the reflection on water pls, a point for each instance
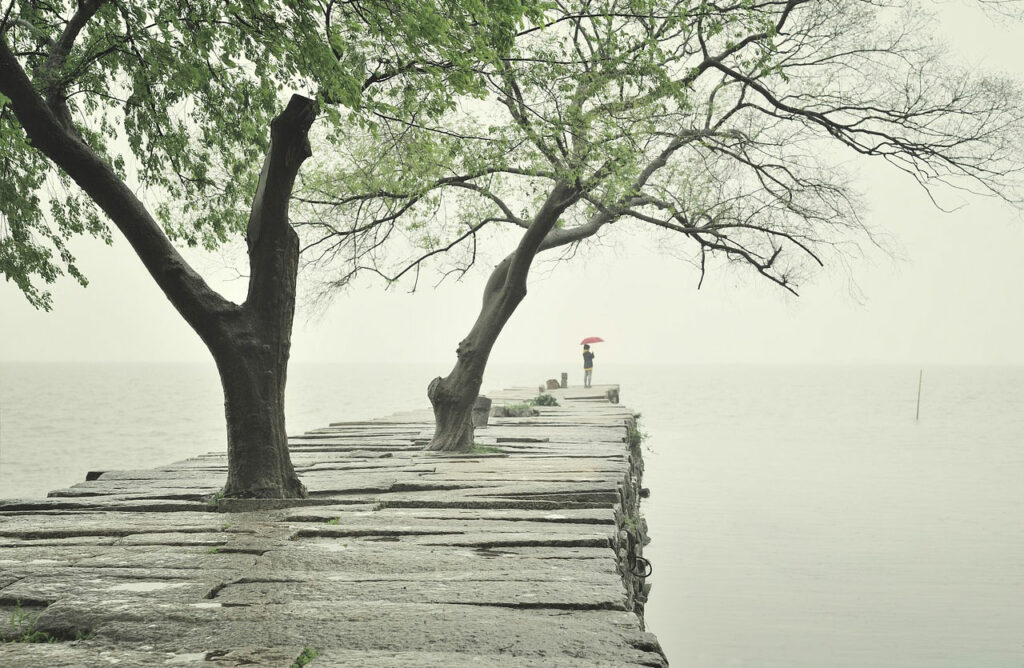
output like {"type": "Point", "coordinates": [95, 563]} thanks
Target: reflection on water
{"type": "Point", "coordinates": [800, 516]}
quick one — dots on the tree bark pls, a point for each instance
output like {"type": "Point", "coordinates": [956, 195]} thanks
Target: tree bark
{"type": "Point", "coordinates": [253, 374]}
{"type": "Point", "coordinates": [453, 396]}
{"type": "Point", "coordinates": [453, 421]}
{"type": "Point", "coordinates": [252, 349]}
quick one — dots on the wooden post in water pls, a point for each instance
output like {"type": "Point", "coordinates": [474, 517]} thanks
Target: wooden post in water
{"type": "Point", "coordinates": [920, 375]}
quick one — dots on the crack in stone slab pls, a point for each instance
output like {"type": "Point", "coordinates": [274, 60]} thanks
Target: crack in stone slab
{"type": "Point", "coordinates": [495, 502]}
{"type": "Point", "coordinates": [218, 588]}
{"type": "Point", "coordinates": [47, 534]}
{"type": "Point", "coordinates": [538, 542]}
{"type": "Point", "coordinates": [541, 605]}
{"type": "Point", "coordinates": [342, 532]}
{"type": "Point", "coordinates": [259, 552]}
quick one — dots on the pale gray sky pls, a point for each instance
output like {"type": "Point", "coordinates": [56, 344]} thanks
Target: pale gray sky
{"type": "Point", "coordinates": [953, 294]}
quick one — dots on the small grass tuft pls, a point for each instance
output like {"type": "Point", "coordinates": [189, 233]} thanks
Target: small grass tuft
{"type": "Point", "coordinates": [212, 501]}
{"type": "Point", "coordinates": [334, 521]}
{"type": "Point", "coordinates": [544, 400]}
{"type": "Point", "coordinates": [481, 449]}
{"type": "Point", "coordinates": [636, 437]}
{"type": "Point", "coordinates": [306, 658]}
{"type": "Point", "coordinates": [213, 550]}
{"type": "Point", "coordinates": [23, 628]}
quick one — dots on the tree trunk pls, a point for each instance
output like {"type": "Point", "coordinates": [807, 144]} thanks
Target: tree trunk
{"type": "Point", "coordinates": [252, 352]}
{"type": "Point", "coordinates": [453, 423]}
{"type": "Point", "coordinates": [453, 396]}
{"type": "Point", "coordinates": [252, 348]}
{"type": "Point", "coordinates": [253, 377]}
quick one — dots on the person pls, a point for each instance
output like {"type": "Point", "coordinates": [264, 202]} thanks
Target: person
{"type": "Point", "coordinates": [588, 365]}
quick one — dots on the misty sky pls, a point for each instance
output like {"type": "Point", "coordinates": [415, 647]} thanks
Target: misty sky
{"type": "Point", "coordinates": [949, 290]}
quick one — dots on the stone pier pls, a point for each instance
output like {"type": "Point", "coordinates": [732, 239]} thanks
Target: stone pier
{"type": "Point", "coordinates": [527, 552]}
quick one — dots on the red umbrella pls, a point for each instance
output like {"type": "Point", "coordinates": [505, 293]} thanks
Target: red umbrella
{"type": "Point", "coordinates": [592, 339]}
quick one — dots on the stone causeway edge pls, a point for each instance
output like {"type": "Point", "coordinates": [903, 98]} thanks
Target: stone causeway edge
{"type": "Point", "coordinates": [528, 553]}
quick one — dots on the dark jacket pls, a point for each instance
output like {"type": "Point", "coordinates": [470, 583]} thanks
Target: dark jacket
{"type": "Point", "coordinates": [588, 360]}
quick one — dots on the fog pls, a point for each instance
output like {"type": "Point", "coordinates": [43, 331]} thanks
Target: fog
{"type": "Point", "coordinates": [945, 289]}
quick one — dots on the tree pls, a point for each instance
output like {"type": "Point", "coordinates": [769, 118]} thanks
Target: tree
{"type": "Point", "coordinates": [725, 126]}
{"type": "Point", "coordinates": [100, 99]}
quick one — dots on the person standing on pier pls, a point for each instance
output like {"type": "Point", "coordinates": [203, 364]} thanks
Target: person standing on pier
{"type": "Point", "coordinates": [588, 365]}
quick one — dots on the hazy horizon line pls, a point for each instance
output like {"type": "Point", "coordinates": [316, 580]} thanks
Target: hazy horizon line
{"type": "Point", "coordinates": [572, 367]}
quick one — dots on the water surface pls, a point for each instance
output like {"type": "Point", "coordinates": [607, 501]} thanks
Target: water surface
{"type": "Point", "coordinates": [801, 516]}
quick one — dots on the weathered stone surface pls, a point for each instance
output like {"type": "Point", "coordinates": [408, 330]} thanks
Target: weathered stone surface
{"type": "Point", "coordinates": [568, 594]}
{"type": "Point", "coordinates": [587, 516]}
{"type": "Point", "coordinates": [595, 636]}
{"type": "Point", "coordinates": [387, 559]}
{"type": "Point", "coordinates": [401, 557]}
{"type": "Point", "coordinates": [83, 653]}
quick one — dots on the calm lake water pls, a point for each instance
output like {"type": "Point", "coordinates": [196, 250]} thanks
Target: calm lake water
{"type": "Point", "coordinates": [801, 516]}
